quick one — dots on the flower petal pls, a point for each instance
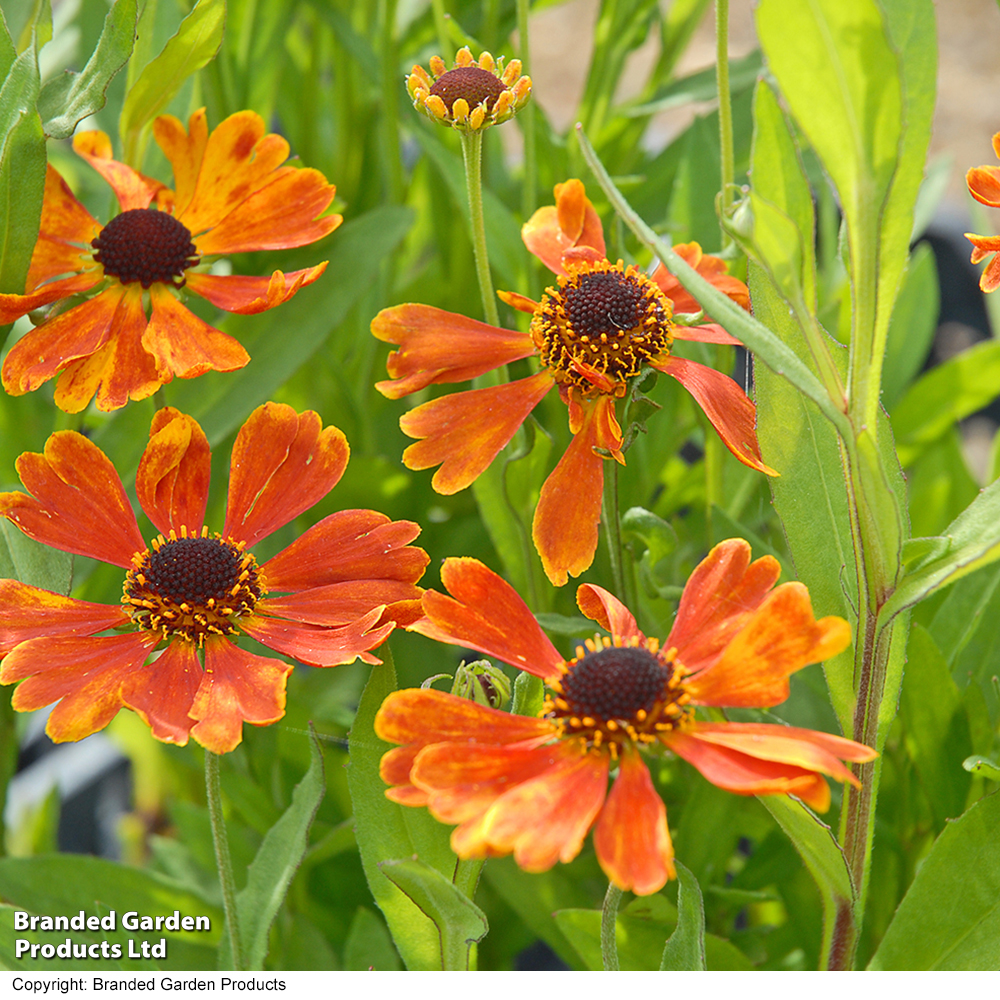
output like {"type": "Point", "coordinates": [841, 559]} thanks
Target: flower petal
{"type": "Point", "coordinates": [984, 185]}
{"type": "Point", "coordinates": [133, 190]}
{"type": "Point", "coordinates": [41, 353]}
{"type": "Point", "coordinates": [240, 294]}
{"type": "Point", "coordinates": [339, 603]}
{"type": "Point", "coordinates": [174, 473]}
{"type": "Point", "coordinates": [486, 613]}
{"type": "Point", "coordinates": [77, 504]}
{"type": "Point", "coordinates": [707, 333]}
{"type": "Point", "coordinates": [185, 345]}
{"type": "Point", "coordinates": [718, 600]}
{"type": "Point", "coordinates": [282, 463]}
{"type": "Point", "coordinates": [439, 346]}
{"type": "Point", "coordinates": [571, 222]}
{"type": "Point", "coordinates": [781, 637]}
{"type": "Point", "coordinates": [162, 692]}
{"type": "Point", "coordinates": [989, 280]}
{"type": "Point", "coordinates": [464, 431]}
{"type": "Point", "coordinates": [712, 269]}
{"type": "Point", "coordinates": [605, 609]}
{"type": "Point", "coordinates": [12, 307]}
{"type": "Point", "coordinates": [236, 687]}
{"type": "Point", "coordinates": [725, 404]}
{"type": "Point", "coordinates": [29, 612]}
{"type": "Point", "coordinates": [85, 672]}
{"type": "Point", "coordinates": [348, 546]}
{"type": "Point", "coordinates": [185, 150]}
{"type": "Point", "coordinates": [631, 837]}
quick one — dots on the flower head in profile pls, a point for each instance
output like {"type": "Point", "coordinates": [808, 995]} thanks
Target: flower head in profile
{"type": "Point", "coordinates": [536, 786]}
{"type": "Point", "coordinates": [132, 334]}
{"type": "Point", "coordinates": [599, 326]}
{"type": "Point", "coordinates": [984, 186]}
{"type": "Point", "coordinates": [471, 95]}
{"type": "Point", "coordinates": [328, 598]}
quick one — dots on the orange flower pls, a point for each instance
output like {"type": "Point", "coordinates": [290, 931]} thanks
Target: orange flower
{"type": "Point", "coordinates": [232, 195]}
{"type": "Point", "coordinates": [344, 583]}
{"type": "Point", "coordinates": [603, 324]}
{"type": "Point", "coordinates": [535, 786]}
{"type": "Point", "coordinates": [984, 186]}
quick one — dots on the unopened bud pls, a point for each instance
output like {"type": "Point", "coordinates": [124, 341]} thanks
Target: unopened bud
{"type": "Point", "coordinates": [483, 683]}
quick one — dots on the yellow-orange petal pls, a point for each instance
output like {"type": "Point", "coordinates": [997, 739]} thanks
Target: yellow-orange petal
{"type": "Point", "coordinates": [571, 222]}
{"type": "Point", "coordinates": [719, 599]}
{"type": "Point", "coordinates": [185, 149]}
{"type": "Point", "coordinates": [77, 502]}
{"type": "Point", "coordinates": [725, 404]}
{"type": "Point", "coordinates": [163, 692]}
{"type": "Point", "coordinates": [439, 346]}
{"type": "Point", "coordinates": [989, 280]}
{"type": "Point", "coordinates": [605, 609]}
{"type": "Point", "coordinates": [245, 295]}
{"type": "Point", "coordinates": [174, 472]}
{"type": "Point", "coordinates": [486, 613]}
{"type": "Point", "coordinates": [12, 307]}
{"type": "Point", "coordinates": [518, 301]}
{"type": "Point", "coordinates": [184, 345]}
{"type": "Point", "coordinates": [133, 190]}
{"type": "Point", "coordinates": [782, 636]}
{"type": "Point", "coordinates": [984, 185]}
{"type": "Point", "coordinates": [346, 546]}
{"type": "Point", "coordinates": [464, 431]}
{"type": "Point", "coordinates": [631, 837]}
{"type": "Point", "coordinates": [283, 462]}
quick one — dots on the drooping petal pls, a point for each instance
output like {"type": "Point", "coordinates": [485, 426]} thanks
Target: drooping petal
{"type": "Point", "coordinates": [185, 150]}
{"type": "Point", "coordinates": [118, 371]}
{"type": "Point", "coordinates": [486, 613]}
{"type": "Point", "coordinates": [339, 603]}
{"type": "Point", "coordinates": [185, 345]}
{"type": "Point", "coordinates": [13, 307]}
{"type": "Point", "coordinates": [984, 185]}
{"type": "Point", "coordinates": [321, 647]}
{"type": "Point", "coordinates": [236, 687]}
{"type": "Point", "coordinates": [571, 222]}
{"type": "Point", "coordinates": [542, 820]}
{"type": "Point", "coordinates": [78, 333]}
{"type": "Point", "coordinates": [605, 609]}
{"type": "Point", "coordinates": [782, 636]}
{"type": "Point", "coordinates": [85, 672]}
{"type": "Point", "coordinates": [283, 462]}
{"type": "Point", "coordinates": [174, 472]}
{"type": "Point", "coordinates": [725, 404]}
{"type": "Point", "coordinates": [464, 431]}
{"type": "Point", "coordinates": [133, 190]}
{"type": "Point", "coordinates": [237, 293]}
{"type": "Point", "coordinates": [569, 505]}
{"type": "Point", "coordinates": [718, 600]}
{"type": "Point", "coordinates": [163, 691]}
{"type": "Point", "coordinates": [30, 612]}
{"type": "Point", "coordinates": [706, 333]}
{"type": "Point", "coordinates": [438, 346]}
{"type": "Point", "coordinates": [712, 269]}
{"type": "Point", "coordinates": [631, 837]}
{"type": "Point", "coordinates": [77, 501]}
{"type": "Point", "coordinates": [347, 546]}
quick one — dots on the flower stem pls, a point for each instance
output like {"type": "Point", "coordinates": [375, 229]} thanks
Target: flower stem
{"type": "Point", "coordinates": [611, 518]}
{"type": "Point", "coordinates": [222, 860]}
{"type": "Point", "coordinates": [726, 157]}
{"type": "Point", "coordinates": [609, 918]}
{"type": "Point", "coordinates": [530, 187]}
{"type": "Point", "coordinates": [472, 155]}
{"type": "Point", "coordinates": [445, 47]}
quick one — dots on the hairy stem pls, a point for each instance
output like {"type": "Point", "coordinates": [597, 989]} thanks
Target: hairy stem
{"type": "Point", "coordinates": [224, 863]}
{"type": "Point", "coordinates": [609, 918]}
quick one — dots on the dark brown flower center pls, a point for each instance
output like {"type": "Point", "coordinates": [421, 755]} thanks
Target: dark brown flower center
{"type": "Point", "coordinates": [145, 245]}
{"type": "Point", "coordinates": [602, 319]}
{"type": "Point", "coordinates": [471, 82]}
{"type": "Point", "coordinates": [191, 587]}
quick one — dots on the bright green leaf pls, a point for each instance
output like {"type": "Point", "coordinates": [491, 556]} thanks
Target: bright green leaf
{"type": "Point", "coordinates": [685, 948]}
{"type": "Point", "coordinates": [24, 559]}
{"type": "Point", "coordinates": [368, 945]}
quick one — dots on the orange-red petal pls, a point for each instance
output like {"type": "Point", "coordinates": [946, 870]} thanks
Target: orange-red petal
{"type": "Point", "coordinates": [718, 600]}
{"type": "Point", "coordinates": [162, 692]}
{"type": "Point", "coordinates": [631, 837]}
{"type": "Point", "coordinates": [486, 613]}
{"type": "Point", "coordinates": [236, 687]}
{"type": "Point", "coordinates": [133, 190]}
{"type": "Point", "coordinates": [605, 609]}
{"type": "Point", "coordinates": [464, 431]}
{"type": "Point", "coordinates": [571, 222]}
{"type": "Point", "coordinates": [184, 148]}
{"type": "Point", "coordinates": [12, 307]}
{"type": "Point", "coordinates": [707, 333]}
{"type": "Point", "coordinates": [65, 226]}
{"type": "Point", "coordinates": [283, 462]}
{"type": "Point", "coordinates": [237, 293]}
{"type": "Point", "coordinates": [174, 472]}
{"type": "Point", "coordinates": [984, 185]}
{"type": "Point", "coordinates": [782, 636]}
{"type": "Point", "coordinates": [439, 346]}
{"type": "Point", "coordinates": [77, 501]}
{"type": "Point", "coordinates": [339, 603]}
{"type": "Point", "coordinates": [725, 404]}
{"type": "Point", "coordinates": [712, 269]}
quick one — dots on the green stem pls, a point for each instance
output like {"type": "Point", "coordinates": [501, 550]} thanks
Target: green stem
{"type": "Point", "coordinates": [472, 156]}
{"type": "Point", "coordinates": [392, 162]}
{"type": "Point", "coordinates": [529, 191]}
{"type": "Point", "coordinates": [611, 518]}
{"type": "Point", "coordinates": [609, 918]}
{"type": "Point", "coordinates": [726, 157]}
{"type": "Point", "coordinates": [220, 839]}
{"type": "Point", "coordinates": [441, 28]}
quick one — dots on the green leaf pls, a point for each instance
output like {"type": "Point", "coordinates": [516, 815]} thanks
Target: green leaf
{"type": "Point", "coordinates": [685, 948]}
{"type": "Point", "coordinates": [459, 921]}
{"type": "Point", "coordinates": [197, 40]}
{"type": "Point", "coordinates": [977, 764]}
{"type": "Point", "coordinates": [67, 99]}
{"type": "Point", "coordinates": [949, 918]}
{"type": "Point", "coordinates": [24, 559]}
{"type": "Point", "coordinates": [368, 945]}
{"type": "Point", "coordinates": [701, 86]}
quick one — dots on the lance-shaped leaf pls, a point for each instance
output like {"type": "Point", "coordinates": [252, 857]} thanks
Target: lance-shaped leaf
{"type": "Point", "coordinates": [685, 948]}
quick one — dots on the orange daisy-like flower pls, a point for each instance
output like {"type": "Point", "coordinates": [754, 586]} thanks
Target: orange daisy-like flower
{"type": "Point", "coordinates": [601, 326]}
{"type": "Point", "coordinates": [984, 186]}
{"type": "Point", "coordinates": [329, 597]}
{"type": "Point", "coordinates": [535, 786]}
{"type": "Point", "coordinates": [471, 95]}
{"type": "Point", "coordinates": [232, 195]}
